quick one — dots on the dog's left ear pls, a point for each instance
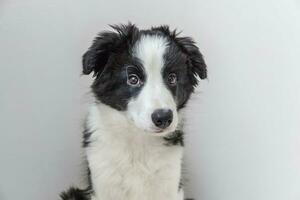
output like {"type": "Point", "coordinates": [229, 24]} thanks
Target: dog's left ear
{"type": "Point", "coordinates": [195, 58]}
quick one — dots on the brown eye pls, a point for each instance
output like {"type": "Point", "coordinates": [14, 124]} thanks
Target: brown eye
{"type": "Point", "coordinates": [133, 80]}
{"type": "Point", "coordinates": [172, 79]}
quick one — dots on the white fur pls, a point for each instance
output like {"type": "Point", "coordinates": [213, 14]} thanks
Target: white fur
{"type": "Point", "coordinates": [126, 161]}
{"type": "Point", "coordinates": [128, 164]}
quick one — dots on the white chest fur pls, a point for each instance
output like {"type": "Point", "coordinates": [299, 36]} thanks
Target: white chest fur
{"type": "Point", "coordinates": [126, 164]}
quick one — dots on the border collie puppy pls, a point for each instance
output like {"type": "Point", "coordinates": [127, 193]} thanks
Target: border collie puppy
{"type": "Point", "coordinates": [133, 137]}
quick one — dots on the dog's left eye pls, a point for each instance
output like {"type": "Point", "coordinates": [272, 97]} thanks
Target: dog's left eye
{"type": "Point", "coordinates": [172, 79]}
{"type": "Point", "coordinates": [133, 80]}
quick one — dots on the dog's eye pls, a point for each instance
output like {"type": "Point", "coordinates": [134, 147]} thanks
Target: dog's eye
{"type": "Point", "coordinates": [133, 80]}
{"type": "Point", "coordinates": [172, 79]}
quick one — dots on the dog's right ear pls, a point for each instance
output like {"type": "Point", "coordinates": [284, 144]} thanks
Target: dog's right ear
{"type": "Point", "coordinates": [95, 59]}
{"type": "Point", "coordinates": [97, 56]}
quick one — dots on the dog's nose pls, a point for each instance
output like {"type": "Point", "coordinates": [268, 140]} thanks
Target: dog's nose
{"type": "Point", "coordinates": [162, 118]}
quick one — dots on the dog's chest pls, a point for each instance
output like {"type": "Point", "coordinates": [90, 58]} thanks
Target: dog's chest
{"type": "Point", "coordinates": [134, 168]}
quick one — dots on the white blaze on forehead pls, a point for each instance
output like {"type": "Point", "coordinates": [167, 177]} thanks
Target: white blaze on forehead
{"type": "Point", "coordinates": [150, 49]}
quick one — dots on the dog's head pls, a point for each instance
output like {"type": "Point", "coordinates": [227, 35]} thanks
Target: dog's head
{"type": "Point", "coordinates": [147, 74]}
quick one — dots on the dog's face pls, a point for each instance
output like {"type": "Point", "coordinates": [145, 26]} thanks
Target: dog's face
{"type": "Point", "coordinates": [147, 74]}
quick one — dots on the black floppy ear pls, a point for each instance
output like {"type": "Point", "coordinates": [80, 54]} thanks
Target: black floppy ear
{"type": "Point", "coordinates": [95, 59]}
{"type": "Point", "coordinates": [97, 56]}
{"type": "Point", "coordinates": [195, 58]}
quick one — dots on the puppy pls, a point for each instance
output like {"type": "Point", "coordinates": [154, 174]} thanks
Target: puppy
{"type": "Point", "coordinates": [133, 137]}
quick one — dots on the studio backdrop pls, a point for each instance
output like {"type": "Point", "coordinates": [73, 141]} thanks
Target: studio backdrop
{"type": "Point", "coordinates": [243, 123]}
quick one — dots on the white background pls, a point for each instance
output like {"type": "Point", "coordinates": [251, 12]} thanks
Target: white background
{"type": "Point", "coordinates": [243, 124]}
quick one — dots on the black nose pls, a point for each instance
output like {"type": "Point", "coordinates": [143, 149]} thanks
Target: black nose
{"type": "Point", "coordinates": [162, 118]}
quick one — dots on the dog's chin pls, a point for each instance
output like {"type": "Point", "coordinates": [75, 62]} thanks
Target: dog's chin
{"type": "Point", "coordinates": [156, 132]}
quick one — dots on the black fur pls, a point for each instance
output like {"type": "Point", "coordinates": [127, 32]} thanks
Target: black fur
{"type": "Point", "coordinates": [75, 194]}
{"type": "Point", "coordinates": [176, 138]}
{"type": "Point", "coordinates": [195, 59]}
{"type": "Point", "coordinates": [86, 136]}
{"type": "Point", "coordinates": [106, 44]}
{"type": "Point", "coordinates": [108, 58]}
{"type": "Point", "coordinates": [184, 58]}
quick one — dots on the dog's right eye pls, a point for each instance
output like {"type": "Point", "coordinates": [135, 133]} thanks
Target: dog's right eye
{"type": "Point", "coordinates": [133, 80]}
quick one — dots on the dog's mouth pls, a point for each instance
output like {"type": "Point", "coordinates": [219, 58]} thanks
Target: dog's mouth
{"type": "Point", "coordinates": [160, 132]}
